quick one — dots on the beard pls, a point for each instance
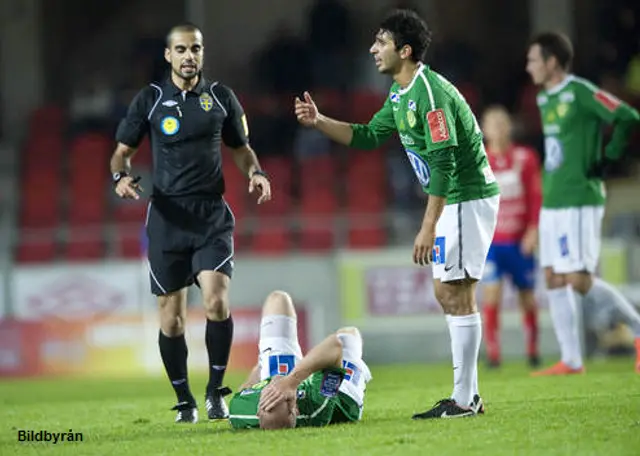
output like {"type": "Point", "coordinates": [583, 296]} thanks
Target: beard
{"type": "Point", "coordinates": [187, 74]}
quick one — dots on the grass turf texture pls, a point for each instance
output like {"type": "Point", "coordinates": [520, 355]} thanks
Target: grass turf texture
{"type": "Point", "coordinates": [593, 414]}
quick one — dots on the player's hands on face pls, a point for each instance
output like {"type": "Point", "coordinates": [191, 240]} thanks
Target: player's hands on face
{"type": "Point", "coordinates": [306, 110]}
{"type": "Point", "coordinates": [128, 188]}
{"type": "Point", "coordinates": [275, 392]}
{"type": "Point", "coordinates": [423, 246]}
{"type": "Point", "coordinates": [262, 185]}
{"type": "Point", "coordinates": [529, 241]}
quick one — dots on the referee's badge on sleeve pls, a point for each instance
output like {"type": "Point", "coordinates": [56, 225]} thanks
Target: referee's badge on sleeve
{"type": "Point", "coordinates": [245, 125]}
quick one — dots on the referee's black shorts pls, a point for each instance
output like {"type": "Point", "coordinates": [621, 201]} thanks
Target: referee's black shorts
{"type": "Point", "coordinates": [187, 235]}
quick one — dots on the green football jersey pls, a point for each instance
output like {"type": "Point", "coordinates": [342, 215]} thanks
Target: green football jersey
{"type": "Point", "coordinates": [573, 115]}
{"type": "Point", "coordinates": [440, 135]}
{"type": "Point", "coordinates": [319, 402]}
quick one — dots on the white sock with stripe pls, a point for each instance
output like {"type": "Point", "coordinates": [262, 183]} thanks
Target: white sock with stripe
{"type": "Point", "coordinates": [466, 335]}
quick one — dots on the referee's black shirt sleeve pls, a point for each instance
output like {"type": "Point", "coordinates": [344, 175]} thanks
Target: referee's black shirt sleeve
{"type": "Point", "coordinates": [235, 130]}
{"type": "Point", "coordinates": [135, 124]}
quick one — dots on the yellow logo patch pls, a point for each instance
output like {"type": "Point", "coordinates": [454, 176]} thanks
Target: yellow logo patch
{"type": "Point", "coordinates": [411, 118]}
{"type": "Point", "coordinates": [170, 125]}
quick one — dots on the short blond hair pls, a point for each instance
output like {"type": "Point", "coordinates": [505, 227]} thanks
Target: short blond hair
{"type": "Point", "coordinates": [282, 416]}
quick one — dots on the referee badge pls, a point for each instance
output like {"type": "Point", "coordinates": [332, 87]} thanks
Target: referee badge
{"type": "Point", "coordinates": [170, 125]}
{"type": "Point", "coordinates": [206, 102]}
{"type": "Point", "coordinates": [411, 118]}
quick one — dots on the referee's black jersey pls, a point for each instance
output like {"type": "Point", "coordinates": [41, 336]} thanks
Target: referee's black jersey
{"type": "Point", "coordinates": [185, 129]}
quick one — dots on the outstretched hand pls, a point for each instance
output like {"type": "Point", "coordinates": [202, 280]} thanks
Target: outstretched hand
{"type": "Point", "coordinates": [306, 110]}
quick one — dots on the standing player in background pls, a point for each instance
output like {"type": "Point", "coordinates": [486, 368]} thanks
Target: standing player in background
{"type": "Point", "coordinates": [189, 225]}
{"type": "Point", "coordinates": [573, 112]}
{"type": "Point", "coordinates": [443, 143]}
{"type": "Point", "coordinates": [511, 254]}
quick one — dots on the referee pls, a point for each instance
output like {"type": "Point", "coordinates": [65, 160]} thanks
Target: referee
{"type": "Point", "coordinates": [189, 225]}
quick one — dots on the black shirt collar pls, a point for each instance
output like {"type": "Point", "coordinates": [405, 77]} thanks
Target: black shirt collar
{"type": "Point", "coordinates": [175, 90]}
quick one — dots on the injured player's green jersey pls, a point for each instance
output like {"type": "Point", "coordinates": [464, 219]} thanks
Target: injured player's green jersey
{"type": "Point", "coordinates": [318, 399]}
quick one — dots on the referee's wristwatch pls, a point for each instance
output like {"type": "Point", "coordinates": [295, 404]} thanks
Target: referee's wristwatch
{"type": "Point", "coordinates": [259, 172]}
{"type": "Point", "coordinates": [117, 177]}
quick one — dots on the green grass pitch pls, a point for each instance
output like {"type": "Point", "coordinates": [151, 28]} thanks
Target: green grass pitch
{"type": "Point", "coordinates": [593, 414]}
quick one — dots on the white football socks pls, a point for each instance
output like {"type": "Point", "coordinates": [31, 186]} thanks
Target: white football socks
{"type": "Point", "coordinates": [466, 334]}
{"type": "Point", "coordinates": [564, 314]}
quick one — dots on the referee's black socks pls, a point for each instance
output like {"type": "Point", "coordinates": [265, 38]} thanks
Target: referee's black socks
{"type": "Point", "coordinates": [218, 337]}
{"type": "Point", "coordinates": [173, 351]}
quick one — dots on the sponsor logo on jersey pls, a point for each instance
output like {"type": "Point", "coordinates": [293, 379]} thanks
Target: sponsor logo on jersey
{"type": "Point", "coordinates": [438, 126]}
{"type": "Point", "coordinates": [562, 109]}
{"type": "Point", "coordinates": [411, 119]}
{"type": "Point", "coordinates": [554, 156]}
{"type": "Point", "coordinates": [541, 100]}
{"type": "Point", "coordinates": [330, 383]}
{"type": "Point", "coordinates": [169, 103]}
{"type": "Point", "coordinates": [567, 97]}
{"type": "Point", "coordinates": [170, 125]}
{"type": "Point", "coordinates": [553, 129]}
{"type": "Point", "coordinates": [489, 177]}
{"type": "Point", "coordinates": [206, 102]}
{"type": "Point", "coordinates": [412, 105]}
{"type": "Point", "coordinates": [406, 139]}
{"type": "Point", "coordinates": [420, 167]}
{"type": "Point", "coordinates": [394, 97]}
{"type": "Point", "coordinates": [607, 100]}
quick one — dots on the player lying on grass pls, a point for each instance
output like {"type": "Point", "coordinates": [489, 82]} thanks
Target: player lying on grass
{"type": "Point", "coordinates": [285, 389]}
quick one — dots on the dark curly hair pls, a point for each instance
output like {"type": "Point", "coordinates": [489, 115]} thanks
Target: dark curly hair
{"type": "Point", "coordinates": [407, 28]}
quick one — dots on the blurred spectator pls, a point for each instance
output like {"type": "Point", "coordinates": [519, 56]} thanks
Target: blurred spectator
{"type": "Point", "coordinates": [283, 65]}
{"type": "Point", "coordinates": [330, 43]}
{"type": "Point", "coordinates": [272, 127]}
{"type": "Point", "coordinates": [632, 75]}
{"type": "Point", "coordinates": [148, 47]}
{"type": "Point", "coordinates": [619, 26]}
{"type": "Point", "coordinates": [309, 142]}
{"type": "Point", "coordinates": [92, 104]}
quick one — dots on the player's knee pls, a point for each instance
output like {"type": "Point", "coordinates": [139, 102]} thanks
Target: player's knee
{"type": "Point", "coordinates": [279, 303]}
{"type": "Point", "coordinates": [349, 330]}
{"type": "Point", "coordinates": [581, 282]}
{"type": "Point", "coordinates": [528, 300]}
{"type": "Point", "coordinates": [216, 308]}
{"type": "Point", "coordinates": [554, 280]}
{"type": "Point", "coordinates": [172, 315]}
{"type": "Point", "coordinates": [456, 298]}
